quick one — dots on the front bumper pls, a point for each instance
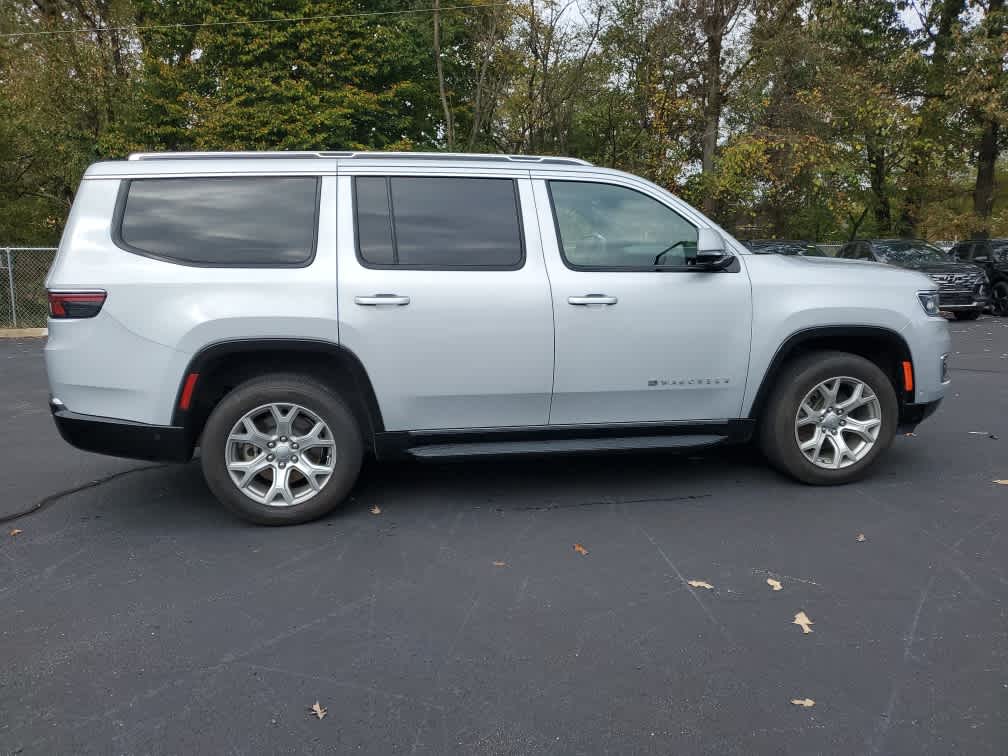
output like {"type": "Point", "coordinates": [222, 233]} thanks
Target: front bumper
{"type": "Point", "coordinates": [122, 438]}
{"type": "Point", "coordinates": [912, 414]}
{"type": "Point", "coordinates": [957, 301]}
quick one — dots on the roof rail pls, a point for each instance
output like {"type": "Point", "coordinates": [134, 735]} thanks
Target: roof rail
{"type": "Point", "coordinates": [350, 155]}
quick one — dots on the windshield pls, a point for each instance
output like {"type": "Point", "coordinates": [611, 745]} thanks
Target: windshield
{"type": "Point", "coordinates": [909, 252]}
{"type": "Point", "coordinates": [806, 249]}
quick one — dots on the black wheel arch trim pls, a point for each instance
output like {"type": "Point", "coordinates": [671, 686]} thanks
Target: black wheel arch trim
{"type": "Point", "coordinates": [211, 354]}
{"type": "Point", "coordinates": [825, 333]}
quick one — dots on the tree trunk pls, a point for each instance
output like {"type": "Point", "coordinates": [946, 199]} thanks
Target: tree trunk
{"type": "Point", "coordinates": [878, 169]}
{"type": "Point", "coordinates": [449, 121]}
{"type": "Point", "coordinates": [932, 114]}
{"type": "Point", "coordinates": [714, 30]}
{"type": "Point", "coordinates": [987, 152]}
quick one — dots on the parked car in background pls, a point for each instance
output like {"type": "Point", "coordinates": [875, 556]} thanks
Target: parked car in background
{"type": "Point", "coordinates": [963, 290]}
{"type": "Point", "coordinates": [991, 256]}
{"type": "Point", "coordinates": [785, 247]}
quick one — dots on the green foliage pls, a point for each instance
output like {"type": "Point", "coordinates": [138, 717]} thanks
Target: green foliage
{"type": "Point", "coordinates": [833, 118]}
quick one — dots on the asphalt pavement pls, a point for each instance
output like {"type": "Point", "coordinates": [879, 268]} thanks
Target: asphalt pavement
{"type": "Point", "coordinates": [446, 608]}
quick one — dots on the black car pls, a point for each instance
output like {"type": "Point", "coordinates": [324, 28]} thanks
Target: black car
{"type": "Point", "coordinates": [963, 290]}
{"type": "Point", "coordinates": [785, 247]}
{"type": "Point", "coordinates": [991, 255]}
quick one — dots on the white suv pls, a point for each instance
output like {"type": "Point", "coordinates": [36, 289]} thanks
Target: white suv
{"type": "Point", "coordinates": [288, 313]}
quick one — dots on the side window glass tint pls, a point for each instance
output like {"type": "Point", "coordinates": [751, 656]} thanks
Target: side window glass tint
{"type": "Point", "coordinates": [456, 222]}
{"type": "Point", "coordinates": [439, 222]}
{"type": "Point", "coordinates": [261, 220]}
{"type": "Point", "coordinates": [608, 226]}
{"type": "Point", "coordinates": [374, 223]}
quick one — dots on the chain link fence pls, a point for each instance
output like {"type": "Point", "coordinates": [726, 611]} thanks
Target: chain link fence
{"type": "Point", "coordinates": [23, 300]}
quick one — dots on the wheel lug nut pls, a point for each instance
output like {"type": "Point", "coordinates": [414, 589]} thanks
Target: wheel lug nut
{"type": "Point", "coordinates": [294, 446]}
{"type": "Point", "coordinates": [282, 465]}
{"type": "Point", "coordinates": [270, 457]}
{"type": "Point", "coordinates": [283, 438]}
{"type": "Point", "coordinates": [294, 458]}
{"type": "Point", "coordinates": [271, 444]}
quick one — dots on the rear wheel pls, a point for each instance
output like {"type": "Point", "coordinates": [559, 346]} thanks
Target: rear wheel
{"type": "Point", "coordinates": [829, 418]}
{"type": "Point", "coordinates": [281, 450]}
{"type": "Point", "coordinates": [967, 315]}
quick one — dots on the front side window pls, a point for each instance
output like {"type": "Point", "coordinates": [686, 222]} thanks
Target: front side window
{"type": "Point", "coordinates": [438, 223]}
{"type": "Point", "coordinates": [220, 221]}
{"type": "Point", "coordinates": [603, 226]}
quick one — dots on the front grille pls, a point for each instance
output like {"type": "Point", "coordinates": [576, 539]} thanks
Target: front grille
{"type": "Point", "coordinates": [955, 280]}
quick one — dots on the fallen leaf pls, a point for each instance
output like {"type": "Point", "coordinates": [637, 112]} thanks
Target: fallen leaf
{"type": "Point", "coordinates": [318, 710]}
{"type": "Point", "coordinates": [16, 531]}
{"type": "Point", "coordinates": [1002, 482]}
{"type": "Point", "coordinates": [375, 509]}
{"type": "Point", "coordinates": [500, 564]}
{"type": "Point", "coordinates": [580, 549]}
{"type": "Point", "coordinates": [861, 538]}
{"type": "Point", "coordinates": [911, 433]}
{"type": "Point", "coordinates": [775, 584]}
{"type": "Point", "coordinates": [701, 584]}
{"type": "Point", "coordinates": [802, 619]}
{"type": "Point", "coordinates": [808, 703]}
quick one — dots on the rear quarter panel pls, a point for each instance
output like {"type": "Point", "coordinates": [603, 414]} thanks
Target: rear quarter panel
{"type": "Point", "coordinates": [128, 361]}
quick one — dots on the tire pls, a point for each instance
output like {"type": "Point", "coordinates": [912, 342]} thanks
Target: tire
{"type": "Point", "coordinates": [999, 302]}
{"type": "Point", "coordinates": [779, 434]}
{"type": "Point", "coordinates": [331, 456]}
{"type": "Point", "coordinates": [967, 315]}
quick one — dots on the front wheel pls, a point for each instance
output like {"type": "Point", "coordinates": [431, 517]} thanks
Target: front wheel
{"type": "Point", "coordinates": [829, 419]}
{"type": "Point", "coordinates": [1000, 298]}
{"type": "Point", "coordinates": [281, 450]}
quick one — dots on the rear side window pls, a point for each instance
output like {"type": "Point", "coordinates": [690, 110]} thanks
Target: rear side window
{"type": "Point", "coordinates": [438, 223]}
{"type": "Point", "coordinates": [241, 221]}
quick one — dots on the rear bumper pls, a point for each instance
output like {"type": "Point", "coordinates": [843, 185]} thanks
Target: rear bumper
{"type": "Point", "coordinates": [122, 438]}
{"type": "Point", "coordinates": [913, 414]}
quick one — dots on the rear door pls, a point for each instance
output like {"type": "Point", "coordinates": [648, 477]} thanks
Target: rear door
{"type": "Point", "coordinates": [638, 340]}
{"type": "Point", "coordinates": [444, 298]}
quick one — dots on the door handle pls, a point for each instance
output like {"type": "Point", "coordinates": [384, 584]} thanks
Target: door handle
{"type": "Point", "coordinates": [376, 300]}
{"type": "Point", "coordinates": [592, 299]}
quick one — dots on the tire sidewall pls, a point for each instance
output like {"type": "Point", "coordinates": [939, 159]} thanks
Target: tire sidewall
{"type": "Point", "coordinates": [285, 390]}
{"type": "Point", "coordinates": [783, 446]}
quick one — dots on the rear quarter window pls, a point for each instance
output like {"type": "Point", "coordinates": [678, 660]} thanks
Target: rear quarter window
{"type": "Point", "coordinates": [251, 221]}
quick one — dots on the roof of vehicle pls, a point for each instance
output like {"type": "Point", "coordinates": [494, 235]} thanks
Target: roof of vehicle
{"type": "Point", "coordinates": [321, 161]}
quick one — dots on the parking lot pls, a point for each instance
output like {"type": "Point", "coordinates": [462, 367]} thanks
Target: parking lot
{"type": "Point", "coordinates": [446, 609]}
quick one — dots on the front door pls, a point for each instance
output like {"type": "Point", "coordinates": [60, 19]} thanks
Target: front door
{"type": "Point", "coordinates": [443, 296]}
{"type": "Point", "coordinates": [639, 338]}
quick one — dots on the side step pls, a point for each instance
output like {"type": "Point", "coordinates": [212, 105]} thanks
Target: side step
{"type": "Point", "coordinates": [563, 446]}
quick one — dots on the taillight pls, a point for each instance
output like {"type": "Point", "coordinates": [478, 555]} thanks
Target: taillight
{"type": "Point", "coordinates": [75, 304]}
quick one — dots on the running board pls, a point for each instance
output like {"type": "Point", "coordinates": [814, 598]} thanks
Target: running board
{"type": "Point", "coordinates": [562, 446]}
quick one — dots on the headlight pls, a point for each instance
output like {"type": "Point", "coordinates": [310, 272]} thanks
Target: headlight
{"type": "Point", "coordinates": [929, 301]}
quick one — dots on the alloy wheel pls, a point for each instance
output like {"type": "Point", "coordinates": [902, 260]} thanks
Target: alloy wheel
{"type": "Point", "coordinates": [280, 454]}
{"type": "Point", "coordinates": [838, 422]}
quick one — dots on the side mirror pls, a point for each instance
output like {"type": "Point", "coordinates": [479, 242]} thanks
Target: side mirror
{"type": "Point", "coordinates": [711, 253]}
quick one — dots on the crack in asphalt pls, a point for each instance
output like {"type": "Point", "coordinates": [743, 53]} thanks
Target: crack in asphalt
{"type": "Point", "coordinates": [44, 502]}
